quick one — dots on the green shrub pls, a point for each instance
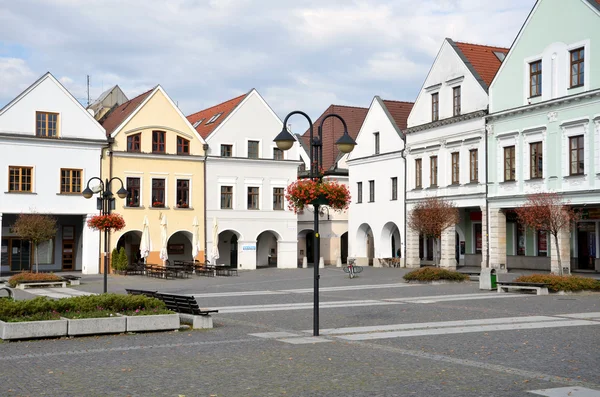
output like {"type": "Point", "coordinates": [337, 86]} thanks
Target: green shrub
{"type": "Point", "coordinates": [562, 283]}
{"type": "Point", "coordinates": [114, 259]}
{"type": "Point", "coordinates": [122, 264]}
{"type": "Point", "coordinates": [26, 276]}
{"type": "Point", "coordinates": [90, 306]}
{"type": "Point", "coordinates": [433, 274]}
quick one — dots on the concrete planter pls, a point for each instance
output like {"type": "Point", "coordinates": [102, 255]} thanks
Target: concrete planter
{"type": "Point", "coordinates": [33, 329]}
{"type": "Point", "coordinates": [92, 326]}
{"type": "Point", "coordinates": [437, 282]}
{"type": "Point", "coordinates": [159, 322]}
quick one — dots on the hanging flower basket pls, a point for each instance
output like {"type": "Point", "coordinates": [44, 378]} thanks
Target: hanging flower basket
{"type": "Point", "coordinates": [102, 222]}
{"type": "Point", "coordinates": [305, 192]}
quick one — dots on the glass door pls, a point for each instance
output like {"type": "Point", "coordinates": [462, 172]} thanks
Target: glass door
{"type": "Point", "coordinates": [19, 254]}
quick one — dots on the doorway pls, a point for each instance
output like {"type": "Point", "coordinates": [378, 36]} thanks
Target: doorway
{"type": "Point", "coordinates": [344, 247]}
{"type": "Point", "coordinates": [19, 254]}
{"type": "Point", "coordinates": [233, 251]}
{"type": "Point", "coordinates": [68, 248]}
{"type": "Point", "coordinates": [586, 245]}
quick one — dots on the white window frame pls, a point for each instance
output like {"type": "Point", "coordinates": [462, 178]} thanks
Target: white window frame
{"type": "Point", "coordinates": [533, 135]}
{"type": "Point", "coordinates": [281, 184]}
{"type": "Point", "coordinates": [231, 181]}
{"type": "Point", "coordinates": [254, 182]}
{"type": "Point", "coordinates": [233, 154]}
{"type": "Point", "coordinates": [506, 140]}
{"type": "Point", "coordinates": [260, 154]}
{"type": "Point", "coordinates": [586, 67]}
{"type": "Point", "coordinates": [159, 175]}
{"type": "Point", "coordinates": [275, 147]}
{"type": "Point", "coordinates": [570, 129]}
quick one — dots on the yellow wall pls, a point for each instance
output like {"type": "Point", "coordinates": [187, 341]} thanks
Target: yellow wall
{"type": "Point", "coordinates": [158, 114]}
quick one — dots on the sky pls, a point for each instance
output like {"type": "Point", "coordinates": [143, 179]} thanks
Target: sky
{"type": "Point", "coordinates": [300, 55]}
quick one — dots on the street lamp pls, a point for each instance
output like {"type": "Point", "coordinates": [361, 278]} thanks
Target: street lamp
{"type": "Point", "coordinates": [345, 144]}
{"type": "Point", "coordinates": [105, 204]}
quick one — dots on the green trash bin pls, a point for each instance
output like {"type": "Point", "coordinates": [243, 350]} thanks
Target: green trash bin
{"type": "Point", "coordinates": [493, 279]}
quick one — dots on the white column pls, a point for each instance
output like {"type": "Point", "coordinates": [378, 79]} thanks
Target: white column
{"type": "Point", "coordinates": [497, 239]}
{"type": "Point", "coordinates": [412, 249]}
{"type": "Point", "coordinates": [448, 249]}
{"type": "Point", "coordinates": [247, 257]}
{"type": "Point", "coordinates": [484, 236]}
{"type": "Point", "coordinates": [564, 245]}
{"type": "Point", "coordinates": [90, 245]}
{"type": "Point", "coordinates": [286, 254]}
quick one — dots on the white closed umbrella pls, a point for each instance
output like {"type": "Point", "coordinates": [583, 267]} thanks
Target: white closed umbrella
{"type": "Point", "coordinates": [215, 239]}
{"type": "Point", "coordinates": [145, 243]}
{"type": "Point", "coordinates": [195, 238]}
{"type": "Point", "coordinates": [163, 239]}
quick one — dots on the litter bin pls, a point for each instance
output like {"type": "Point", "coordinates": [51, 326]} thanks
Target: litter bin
{"type": "Point", "coordinates": [493, 279]}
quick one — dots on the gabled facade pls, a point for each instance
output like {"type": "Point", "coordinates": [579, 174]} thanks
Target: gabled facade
{"type": "Point", "coordinates": [333, 225]}
{"type": "Point", "coordinates": [445, 149]}
{"type": "Point", "coordinates": [160, 158]}
{"type": "Point", "coordinates": [246, 178]}
{"type": "Point", "coordinates": [543, 135]}
{"type": "Point", "coordinates": [49, 146]}
{"type": "Point", "coordinates": [107, 101]}
{"type": "Point", "coordinates": [377, 184]}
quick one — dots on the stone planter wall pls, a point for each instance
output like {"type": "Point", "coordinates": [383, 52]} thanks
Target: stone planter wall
{"type": "Point", "coordinates": [92, 326]}
{"type": "Point", "coordinates": [33, 329]}
{"type": "Point", "coordinates": [159, 322]}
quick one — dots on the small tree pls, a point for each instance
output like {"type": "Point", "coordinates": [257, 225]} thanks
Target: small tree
{"type": "Point", "coordinates": [430, 217]}
{"type": "Point", "coordinates": [122, 260]}
{"type": "Point", "coordinates": [547, 212]}
{"type": "Point", "coordinates": [36, 228]}
{"type": "Point", "coordinates": [114, 259]}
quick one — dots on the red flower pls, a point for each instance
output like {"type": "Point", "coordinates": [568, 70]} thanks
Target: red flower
{"type": "Point", "coordinates": [101, 222]}
{"type": "Point", "coordinates": [305, 191]}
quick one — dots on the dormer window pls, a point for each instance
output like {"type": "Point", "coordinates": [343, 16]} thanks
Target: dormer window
{"type": "Point", "coordinates": [535, 79]}
{"type": "Point", "coordinates": [46, 125]}
{"type": "Point", "coordinates": [214, 118]}
{"type": "Point", "coordinates": [577, 66]}
{"type": "Point", "coordinates": [435, 106]}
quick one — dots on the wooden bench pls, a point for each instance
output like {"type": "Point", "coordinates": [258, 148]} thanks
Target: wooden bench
{"type": "Point", "coordinates": [183, 304]}
{"type": "Point", "coordinates": [540, 288]}
{"type": "Point", "coordinates": [151, 294]}
{"type": "Point", "coordinates": [203, 270]}
{"type": "Point", "coordinates": [73, 280]}
{"type": "Point", "coordinates": [49, 283]}
{"type": "Point", "coordinates": [226, 271]}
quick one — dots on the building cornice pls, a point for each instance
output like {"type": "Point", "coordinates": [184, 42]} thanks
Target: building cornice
{"type": "Point", "coordinates": [376, 157]}
{"type": "Point", "coordinates": [249, 160]}
{"type": "Point", "coordinates": [53, 141]}
{"type": "Point", "coordinates": [157, 156]}
{"type": "Point", "coordinates": [544, 105]}
{"type": "Point", "coordinates": [448, 121]}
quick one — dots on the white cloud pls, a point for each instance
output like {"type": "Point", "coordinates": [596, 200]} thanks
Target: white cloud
{"type": "Point", "coordinates": [15, 76]}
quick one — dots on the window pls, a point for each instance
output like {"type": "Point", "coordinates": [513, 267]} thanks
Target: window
{"type": "Point", "coordinates": [394, 188]}
{"type": "Point", "coordinates": [134, 143]}
{"type": "Point", "coordinates": [183, 146]}
{"type": "Point", "coordinates": [535, 79]}
{"type": "Point", "coordinates": [433, 180]}
{"type": "Point", "coordinates": [253, 198]}
{"type": "Point", "coordinates": [435, 107]}
{"type": "Point", "coordinates": [197, 123]}
{"type": "Point", "coordinates": [418, 173]}
{"type": "Point", "coordinates": [158, 193]}
{"type": "Point", "coordinates": [456, 100]}
{"type": "Point", "coordinates": [478, 237]}
{"type": "Point", "coordinates": [277, 154]}
{"type": "Point", "coordinates": [158, 141]}
{"type": "Point", "coordinates": [455, 168]}
{"type": "Point", "coordinates": [542, 243]}
{"type": "Point", "coordinates": [520, 239]}
{"type": "Point", "coordinates": [509, 163]}
{"type": "Point", "coordinates": [576, 166]}
{"type": "Point", "coordinates": [226, 150]}
{"type": "Point", "coordinates": [278, 198]}
{"type": "Point", "coordinates": [536, 167]}
{"type": "Point", "coordinates": [133, 192]}
{"type": "Point", "coordinates": [214, 118]}
{"type": "Point", "coordinates": [70, 181]}
{"type": "Point", "coordinates": [252, 149]}
{"type": "Point", "coordinates": [359, 192]}
{"type": "Point", "coordinates": [183, 193]}
{"type": "Point", "coordinates": [46, 125]}
{"type": "Point", "coordinates": [474, 165]}
{"type": "Point", "coordinates": [376, 137]}
{"type": "Point", "coordinates": [226, 197]}
{"type": "Point", "coordinates": [19, 179]}
{"type": "Point", "coordinates": [371, 191]}
{"type": "Point", "coordinates": [577, 66]}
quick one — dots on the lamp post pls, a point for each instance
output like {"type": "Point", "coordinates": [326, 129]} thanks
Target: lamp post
{"type": "Point", "coordinates": [105, 204]}
{"type": "Point", "coordinates": [345, 144]}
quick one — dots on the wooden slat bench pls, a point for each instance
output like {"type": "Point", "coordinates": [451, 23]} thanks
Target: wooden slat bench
{"type": "Point", "coordinates": [151, 294]}
{"type": "Point", "coordinates": [540, 288]}
{"type": "Point", "coordinates": [183, 304]}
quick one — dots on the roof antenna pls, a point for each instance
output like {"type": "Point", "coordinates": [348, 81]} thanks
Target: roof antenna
{"type": "Point", "coordinates": [88, 90]}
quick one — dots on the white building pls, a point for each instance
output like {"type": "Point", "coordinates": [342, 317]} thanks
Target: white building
{"type": "Point", "coordinates": [333, 225]}
{"type": "Point", "coordinates": [376, 215]}
{"type": "Point", "coordinates": [445, 143]}
{"type": "Point", "coordinates": [246, 178]}
{"type": "Point", "coordinates": [49, 145]}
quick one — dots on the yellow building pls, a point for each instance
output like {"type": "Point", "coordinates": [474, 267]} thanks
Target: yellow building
{"type": "Point", "coordinates": [161, 159]}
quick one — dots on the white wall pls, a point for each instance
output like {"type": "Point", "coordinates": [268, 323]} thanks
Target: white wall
{"type": "Point", "coordinates": [448, 71]}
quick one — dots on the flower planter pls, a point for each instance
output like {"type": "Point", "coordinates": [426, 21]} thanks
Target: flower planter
{"type": "Point", "coordinates": [159, 322]}
{"type": "Point", "coordinates": [321, 200]}
{"type": "Point", "coordinates": [33, 329]}
{"type": "Point", "coordinates": [91, 326]}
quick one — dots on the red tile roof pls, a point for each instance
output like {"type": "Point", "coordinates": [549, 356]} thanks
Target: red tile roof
{"type": "Point", "coordinates": [482, 58]}
{"type": "Point", "coordinates": [333, 130]}
{"type": "Point", "coordinates": [117, 116]}
{"type": "Point", "coordinates": [399, 111]}
{"type": "Point", "coordinates": [205, 115]}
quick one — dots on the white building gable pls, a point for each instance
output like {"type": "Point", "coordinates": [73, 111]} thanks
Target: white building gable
{"type": "Point", "coordinates": [48, 95]}
{"type": "Point", "coordinates": [448, 71]}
